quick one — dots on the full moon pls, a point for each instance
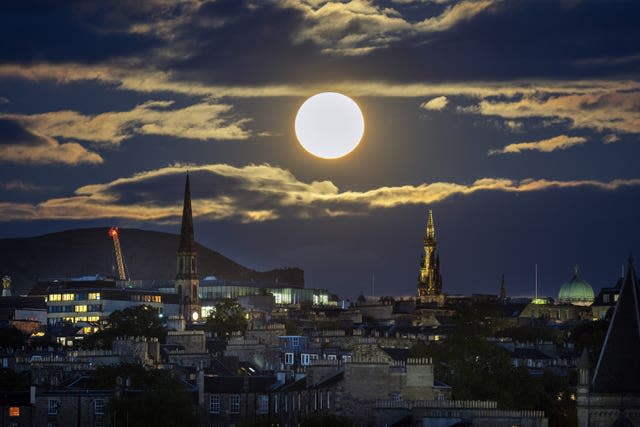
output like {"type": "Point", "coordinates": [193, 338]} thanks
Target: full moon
{"type": "Point", "coordinates": [329, 125]}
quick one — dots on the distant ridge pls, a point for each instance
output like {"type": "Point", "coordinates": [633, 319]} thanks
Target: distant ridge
{"type": "Point", "coordinates": [89, 251]}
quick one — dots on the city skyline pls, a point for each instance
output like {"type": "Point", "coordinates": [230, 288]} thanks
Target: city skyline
{"type": "Point", "coordinates": [517, 123]}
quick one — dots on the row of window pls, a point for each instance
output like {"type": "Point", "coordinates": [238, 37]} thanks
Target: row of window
{"type": "Point", "coordinates": [305, 359]}
{"type": "Point", "coordinates": [146, 298]}
{"type": "Point", "coordinates": [321, 401]}
{"type": "Point", "coordinates": [75, 319]}
{"type": "Point", "coordinates": [81, 308]}
{"type": "Point", "coordinates": [81, 296]}
{"type": "Point", "coordinates": [54, 404]}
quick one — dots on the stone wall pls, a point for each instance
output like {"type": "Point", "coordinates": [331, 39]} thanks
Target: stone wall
{"type": "Point", "coordinates": [192, 341]}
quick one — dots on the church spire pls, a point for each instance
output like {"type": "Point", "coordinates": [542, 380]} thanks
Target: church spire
{"type": "Point", "coordinates": [503, 289]}
{"type": "Point", "coordinates": [187, 248]}
{"type": "Point", "coordinates": [187, 243]}
{"type": "Point", "coordinates": [617, 370]}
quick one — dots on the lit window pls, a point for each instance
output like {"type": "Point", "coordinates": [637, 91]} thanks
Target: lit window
{"type": "Point", "coordinates": [331, 357]}
{"type": "Point", "coordinates": [52, 408]}
{"type": "Point", "coordinates": [263, 404]}
{"type": "Point", "coordinates": [234, 404]}
{"type": "Point", "coordinates": [275, 404]}
{"type": "Point", "coordinates": [94, 295]}
{"type": "Point", "coordinates": [304, 359]}
{"type": "Point", "coordinates": [214, 403]}
{"type": "Point", "coordinates": [68, 297]}
{"type": "Point", "coordinates": [98, 406]}
{"type": "Point", "coordinates": [288, 358]}
{"type": "Point", "coordinates": [55, 297]}
{"type": "Point", "coordinates": [14, 411]}
{"type": "Point", "coordinates": [81, 308]}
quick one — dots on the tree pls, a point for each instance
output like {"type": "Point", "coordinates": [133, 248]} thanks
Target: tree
{"type": "Point", "coordinates": [11, 337]}
{"type": "Point", "coordinates": [137, 321]}
{"type": "Point", "coordinates": [227, 317]}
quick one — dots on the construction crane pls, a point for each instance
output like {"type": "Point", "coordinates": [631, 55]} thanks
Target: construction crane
{"type": "Point", "coordinates": [115, 235]}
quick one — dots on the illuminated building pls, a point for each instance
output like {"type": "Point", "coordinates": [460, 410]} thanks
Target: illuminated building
{"type": "Point", "coordinates": [430, 279]}
{"type": "Point", "coordinates": [92, 299]}
{"type": "Point", "coordinates": [187, 283]}
{"type": "Point", "coordinates": [576, 291]}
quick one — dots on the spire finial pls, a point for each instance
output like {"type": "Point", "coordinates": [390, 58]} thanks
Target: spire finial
{"type": "Point", "coordinates": [431, 229]}
{"type": "Point", "coordinates": [575, 271]}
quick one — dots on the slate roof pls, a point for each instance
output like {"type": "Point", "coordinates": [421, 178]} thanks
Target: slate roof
{"type": "Point", "coordinates": [238, 384]}
{"type": "Point", "coordinates": [618, 369]}
{"type": "Point", "coordinates": [400, 354]}
{"type": "Point", "coordinates": [529, 353]}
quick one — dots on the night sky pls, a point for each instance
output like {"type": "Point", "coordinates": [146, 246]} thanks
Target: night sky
{"type": "Point", "coordinates": [517, 122]}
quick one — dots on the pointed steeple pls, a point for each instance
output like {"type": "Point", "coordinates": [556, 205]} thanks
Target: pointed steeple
{"type": "Point", "coordinates": [618, 369]}
{"type": "Point", "coordinates": [187, 243]}
{"type": "Point", "coordinates": [430, 235]}
{"type": "Point", "coordinates": [503, 289]}
{"type": "Point", "coordinates": [187, 247]}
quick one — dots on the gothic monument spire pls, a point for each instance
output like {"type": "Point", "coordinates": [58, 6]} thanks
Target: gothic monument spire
{"type": "Point", "coordinates": [430, 279]}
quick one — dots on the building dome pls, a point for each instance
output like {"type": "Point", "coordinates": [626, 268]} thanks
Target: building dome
{"type": "Point", "coordinates": [577, 291]}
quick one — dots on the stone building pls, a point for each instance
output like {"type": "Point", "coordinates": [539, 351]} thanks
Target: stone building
{"type": "Point", "coordinates": [442, 413]}
{"type": "Point", "coordinates": [611, 396]}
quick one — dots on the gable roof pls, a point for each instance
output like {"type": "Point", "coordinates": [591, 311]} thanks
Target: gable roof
{"type": "Point", "coordinates": [617, 370]}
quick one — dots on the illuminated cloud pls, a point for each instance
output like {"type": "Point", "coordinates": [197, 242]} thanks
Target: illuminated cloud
{"type": "Point", "coordinates": [358, 27]}
{"type": "Point", "coordinates": [19, 185]}
{"type": "Point", "coordinates": [453, 15]}
{"type": "Point", "coordinates": [203, 121]}
{"type": "Point", "coordinates": [256, 193]}
{"type": "Point", "coordinates": [435, 104]}
{"type": "Point", "coordinates": [144, 80]}
{"type": "Point", "coordinates": [21, 145]}
{"type": "Point", "coordinates": [560, 142]}
{"type": "Point", "coordinates": [611, 106]}
{"type": "Point", "coordinates": [601, 110]}
{"type": "Point", "coordinates": [611, 138]}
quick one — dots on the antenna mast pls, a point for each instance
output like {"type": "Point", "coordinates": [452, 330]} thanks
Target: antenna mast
{"type": "Point", "coordinates": [536, 268]}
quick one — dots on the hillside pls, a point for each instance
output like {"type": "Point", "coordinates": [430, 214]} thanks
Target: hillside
{"type": "Point", "coordinates": [89, 251]}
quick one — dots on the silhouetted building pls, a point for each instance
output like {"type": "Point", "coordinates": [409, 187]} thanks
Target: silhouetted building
{"type": "Point", "coordinates": [606, 300]}
{"type": "Point", "coordinates": [187, 282]}
{"type": "Point", "coordinates": [612, 396]}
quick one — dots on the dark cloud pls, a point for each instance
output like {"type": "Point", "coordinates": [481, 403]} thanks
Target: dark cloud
{"type": "Point", "coordinates": [42, 30]}
{"type": "Point", "coordinates": [12, 132]}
